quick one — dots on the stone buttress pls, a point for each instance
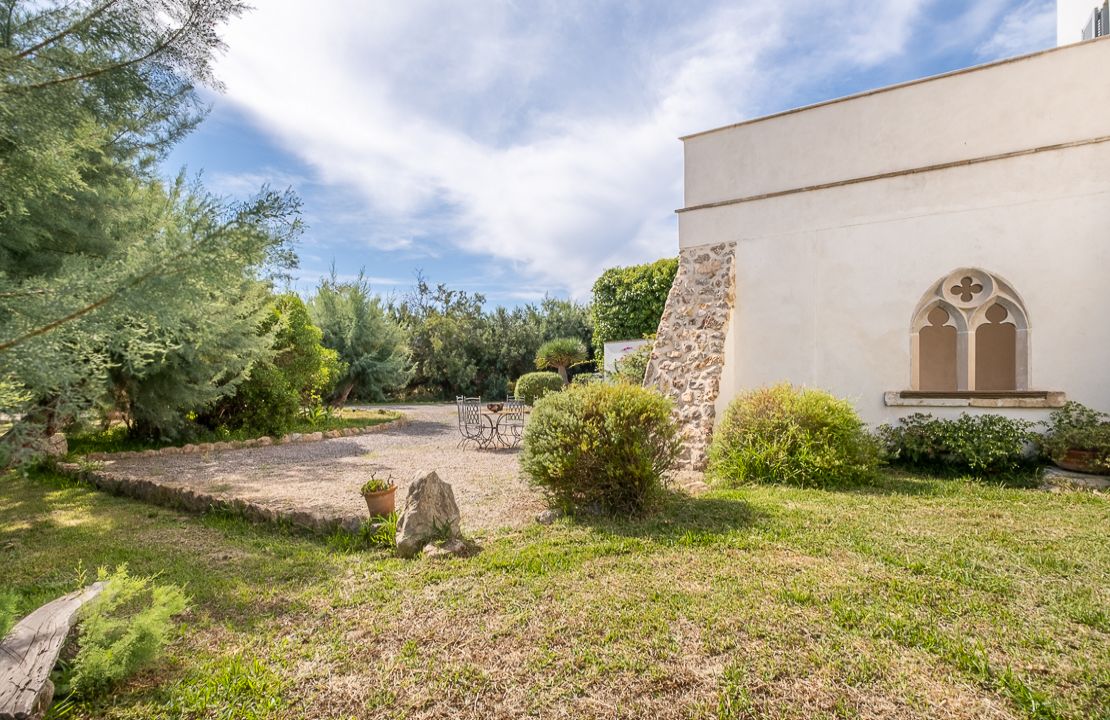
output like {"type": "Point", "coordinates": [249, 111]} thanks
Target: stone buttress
{"type": "Point", "coordinates": [689, 352]}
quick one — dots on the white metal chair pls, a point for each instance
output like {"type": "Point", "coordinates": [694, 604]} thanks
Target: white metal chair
{"type": "Point", "coordinates": [510, 426]}
{"type": "Point", "coordinates": [472, 427]}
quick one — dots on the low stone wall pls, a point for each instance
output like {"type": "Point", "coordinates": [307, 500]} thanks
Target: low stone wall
{"type": "Point", "coordinates": [202, 448]}
{"type": "Point", "coordinates": [689, 352]}
{"type": "Point", "coordinates": [200, 502]}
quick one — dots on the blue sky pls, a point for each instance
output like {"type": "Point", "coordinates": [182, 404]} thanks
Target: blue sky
{"type": "Point", "coordinates": [520, 148]}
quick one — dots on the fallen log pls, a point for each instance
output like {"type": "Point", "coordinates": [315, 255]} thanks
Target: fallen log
{"type": "Point", "coordinates": [29, 652]}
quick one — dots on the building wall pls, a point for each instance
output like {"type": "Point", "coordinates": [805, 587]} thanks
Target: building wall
{"type": "Point", "coordinates": [827, 280]}
{"type": "Point", "coordinates": [1039, 100]}
{"type": "Point", "coordinates": [1071, 16]}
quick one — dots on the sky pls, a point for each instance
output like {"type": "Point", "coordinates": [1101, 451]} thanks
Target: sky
{"type": "Point", "coordinates": [518, 148]}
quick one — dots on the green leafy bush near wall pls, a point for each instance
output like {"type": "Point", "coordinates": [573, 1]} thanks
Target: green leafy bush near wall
{"type": "Point", "coordinates": [122, 629]}
{"type": "Point", "coordinates": [530, 387]}
{"type": "Point", "coordinates": [791, 435]}
{"type": "Point", "coordinates": [601, 447]}
{"type": "Point", "coordinates": [977, 444]}
{"type": "Point", "coordinates": [628, 301]}
{"type": "Point", "coordinates": [1078, 427]}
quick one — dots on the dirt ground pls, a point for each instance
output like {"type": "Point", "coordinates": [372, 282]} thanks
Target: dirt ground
{"type": "Point", "coordinates": [324, 477]}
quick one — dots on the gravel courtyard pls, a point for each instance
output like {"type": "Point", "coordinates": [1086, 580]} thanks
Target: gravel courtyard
{"type": "Point", "coordinates": [324, 477]}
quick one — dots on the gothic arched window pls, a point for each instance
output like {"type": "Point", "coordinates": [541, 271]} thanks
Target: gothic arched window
{"type": "Point", "coordinates": [970, 333]}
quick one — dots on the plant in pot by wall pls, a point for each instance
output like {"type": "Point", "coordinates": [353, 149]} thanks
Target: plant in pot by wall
{"type": "Point", "coordinates": [379, 494]}
{"type": "Point", "coordinates": [1078, 439]}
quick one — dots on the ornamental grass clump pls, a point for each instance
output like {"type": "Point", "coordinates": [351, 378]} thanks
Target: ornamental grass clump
{"type": "Point", "coordinates": [601, 447]}
{"type": "Point", "coordinates": [795, 436]}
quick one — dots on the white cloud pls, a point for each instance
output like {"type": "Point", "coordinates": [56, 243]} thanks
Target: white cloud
{"type": "Point", "coordinates": [541, 133]}
{"type": "Point", "coordinates": [245, 184]}
{"type": "Point", "coordinates": [1029, 27]}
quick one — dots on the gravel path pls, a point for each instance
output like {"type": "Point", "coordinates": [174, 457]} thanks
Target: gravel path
{"type": "Point", "coordinates": [324, 477]}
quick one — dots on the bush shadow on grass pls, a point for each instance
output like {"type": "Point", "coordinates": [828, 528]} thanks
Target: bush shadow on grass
{"type": "Point", "coordinates": [682, 519]}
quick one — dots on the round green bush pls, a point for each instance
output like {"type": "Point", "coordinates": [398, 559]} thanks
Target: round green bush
{"type": "Point", "coordinates": [601, 446]}
{"type": "Point", "coordinates": [533, 386]}
{"type": "Point", "coordinates": [791, 435]}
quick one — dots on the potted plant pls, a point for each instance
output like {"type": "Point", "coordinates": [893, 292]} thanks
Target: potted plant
{"type": "Point", "coordinates": [1078, 439]}
{"type": "Point", "coordinates": [379, 495]}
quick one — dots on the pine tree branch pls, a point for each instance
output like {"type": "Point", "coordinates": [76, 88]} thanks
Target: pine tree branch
{"type": "Point", "coordinates": [173, 261]}
{"type": "Point", "coordinates": [73, 27]}
{"type": "Point", "coordinates": [97, 72]}
{"type": "Point", "coordinates": [79, 313]}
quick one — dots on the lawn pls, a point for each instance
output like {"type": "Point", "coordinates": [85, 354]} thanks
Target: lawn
{"type": "Point", "coordinates": [116, 439]}
{"type": "Point", "coordinates": [915, 597]}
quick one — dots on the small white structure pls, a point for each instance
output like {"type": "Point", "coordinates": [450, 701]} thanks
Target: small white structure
{"type": "Point", "coordinates": [1078, 20]}
{"type": "Point", "coordinates": [617, 350]}
{"type": "Point", "coordinates": [937, 246]}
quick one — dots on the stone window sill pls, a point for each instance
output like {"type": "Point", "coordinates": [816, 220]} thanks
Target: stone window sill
{"type": "Point", "coordinates": [1019, 399]}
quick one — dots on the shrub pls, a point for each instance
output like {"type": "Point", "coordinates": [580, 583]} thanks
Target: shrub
{"type": "Point", "coordinates": [790, 435]}
{"type": "Point", "coordinates": [601, 446]}
{"type": "Point", "coordinates": [533, 386]}
{"type": "Point", "coordinates": [979, 444]}
{"type": "Point", "coordinates": [122, 629]}
{"type": "Point", "coordinates": [633, 367]}
{"type": "Point", "coordinates": [1078, 427]}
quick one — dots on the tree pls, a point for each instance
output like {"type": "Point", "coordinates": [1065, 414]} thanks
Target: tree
{"type": "Point", "coordinates": [92, 94]}
{"type": "Point", "coordinates": [104, 271]}
{"type": "Point", "coordinates": [629, 301]}
{"type": "Point", "coordinates": [560, 354]}
{"type": "Point", "coordinates": [199, 339]}
{"type": "Point", "coordinates": [446, 338]}
{"type": "Point", "coordinates": [301, 373]}
{"type": "Point", "coordinates": [566, 318]}
{"type": "Point", "coordinates": [369, 343]}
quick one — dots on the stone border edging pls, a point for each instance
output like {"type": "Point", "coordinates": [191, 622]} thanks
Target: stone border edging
{"type": "Point", "coordinates": [264, 441]}
{"type": "Point", "coordinates": [179, 498]}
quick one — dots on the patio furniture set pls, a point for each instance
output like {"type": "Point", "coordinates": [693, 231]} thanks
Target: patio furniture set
{"type": "Point", "coordinates": [489, 425]}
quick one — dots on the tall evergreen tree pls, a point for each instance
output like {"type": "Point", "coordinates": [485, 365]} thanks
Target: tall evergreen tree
{"type": "Point", "coordinates": [369, 343]}
{"type": "Point", "coordinates": [104, 270]}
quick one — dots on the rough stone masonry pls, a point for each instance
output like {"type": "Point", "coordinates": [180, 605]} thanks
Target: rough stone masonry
{"type": "Point", "coordinates": [689, 352]}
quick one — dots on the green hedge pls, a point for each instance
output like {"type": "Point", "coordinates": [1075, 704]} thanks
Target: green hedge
{"type": "Point", "coordinates": [533, 386]}
{"type": "Point", "coordinates": [628, 301]}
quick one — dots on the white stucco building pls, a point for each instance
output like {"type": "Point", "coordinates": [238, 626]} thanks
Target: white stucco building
{"type": "Point", "coordinates": [938, 246]}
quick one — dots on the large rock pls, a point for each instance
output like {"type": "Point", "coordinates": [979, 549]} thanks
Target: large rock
{"type": "Point", "coordinates": [56, 445]}
{"type": "Point", "coordinates": [430, 513]}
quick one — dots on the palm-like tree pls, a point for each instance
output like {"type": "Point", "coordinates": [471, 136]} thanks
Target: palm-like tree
{"type": "Point", "coordinates": [561, 353]}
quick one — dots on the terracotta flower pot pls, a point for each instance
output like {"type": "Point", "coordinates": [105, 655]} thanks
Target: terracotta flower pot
{"type": "Point", "coordinates": [1079, 461]}
{"type": "Point", "coordinates": [381, 502]}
